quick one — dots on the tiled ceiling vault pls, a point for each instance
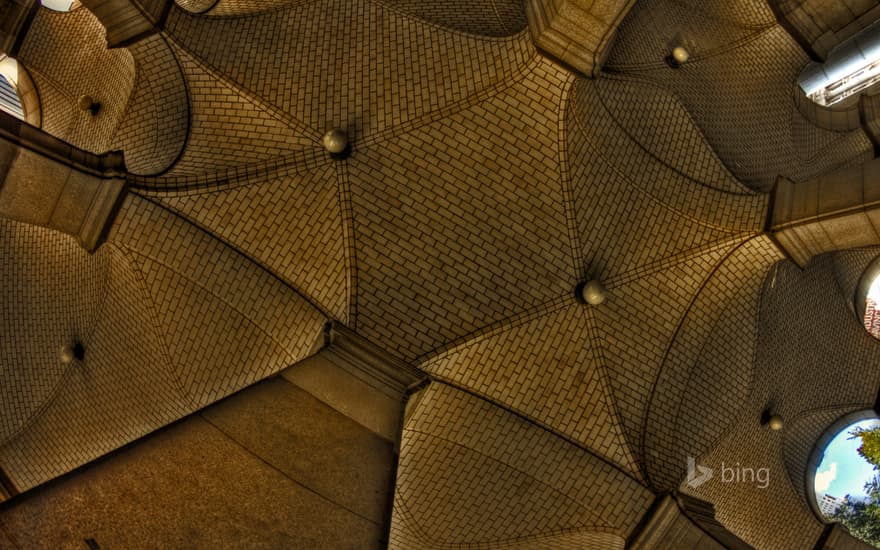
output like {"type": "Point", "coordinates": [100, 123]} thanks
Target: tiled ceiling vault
{"type": "Point", "coordinates": [486, 181]}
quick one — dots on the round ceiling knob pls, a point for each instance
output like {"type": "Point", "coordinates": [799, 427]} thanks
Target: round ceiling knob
{"type": "Point", "coordinates": [680, 55]}
{"type": "Point", "coordinates": [593, 293]}
{"type": "Point", "coordinates": [66, 355]}
{"type": "Point", "coordinates": [775, 423]}
{"type": "Point", "coordinates": [335, 141]}
{"type": "Point", "coordinates": [85, 102]}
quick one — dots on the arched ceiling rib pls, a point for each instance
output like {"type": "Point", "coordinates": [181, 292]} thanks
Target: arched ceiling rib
{"type": "Point", "coordinates": [496, 18]}
{"type": "Point", "coordinates": [472, 473]}
{"type": "Point", "coordinates": [443, 252]}
{"type": "Point", "coordinates": [196, 6]}
{"type": "Point", "coordinates": [738, 92]}
{"type": "Point", "coordinates": [228, 130]}
{"type": "Point", "coordinates": [635, 328]}
{"type": "Point", "coordinates": [398, 71]}
{"type": "Point", "coordinates": [707, 372]}
{"type": "Point", "coordinates": [67, 57]}
{"type": "Point", "coordinates": [291, 224]}
{"type": "Point", "coordinates": [812, 355]}
{"type": "Point", "coordinates": [121, 392]}
{"type": "Point", "coordinates": [553, 374]}
{"type": "Point", "coordinates": [179, 320]}
{"type": "Point", "coordinates": [40, 318]}
{"type": "Point", "coordinates": [614, 178]}
{"type": "Point", "coordinates": [156, 122]}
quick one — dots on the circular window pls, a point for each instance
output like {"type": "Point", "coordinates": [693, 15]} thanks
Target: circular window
{"type": "Point", "coordinates": [868, 299]}
{"type": "Point", "coordinates": [871, 319]}
{"type": "Point", "coordinates": [846, 478]}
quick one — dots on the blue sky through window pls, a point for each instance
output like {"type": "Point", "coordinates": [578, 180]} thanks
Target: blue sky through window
{"type": "Point", "coordinates": [842, 470]}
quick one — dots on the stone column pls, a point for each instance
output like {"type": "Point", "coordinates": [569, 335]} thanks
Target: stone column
{"type": "Point", "coordinates": [836, 211]}
{"type": "Point", "coordinates": [577, 33]}
{"type": "Point", "coordinates": [47, 182]}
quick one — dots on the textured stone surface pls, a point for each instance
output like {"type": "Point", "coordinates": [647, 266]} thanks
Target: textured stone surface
{"type": "Point", "coordinates": [484, 182]}
{"type": "Point", "coordinates": [197, 485]}
{"type": "Point", "coordinates": [500, 479]}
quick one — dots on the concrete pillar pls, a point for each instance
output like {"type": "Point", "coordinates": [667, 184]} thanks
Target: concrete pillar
{"type": "Point", "coordinates": [128, 21]}
{"type": "Point", "coordinates": [577, 33]}
{"type": "Point", "coordinates": [47, 182]}
{"type": "Point", "coordinates": [833, 212]}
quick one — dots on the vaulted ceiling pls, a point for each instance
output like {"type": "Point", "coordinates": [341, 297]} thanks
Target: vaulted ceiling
{"type": "Point", "coordinates": [485, 182]}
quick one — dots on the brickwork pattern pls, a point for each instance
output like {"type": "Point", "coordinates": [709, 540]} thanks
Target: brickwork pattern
{"type": "Point", "coordinates": [191, 320]}
{"type": "Point", "coordinates": [227, 129]}
{"type": "Point", "coordinates": [472, 474]}
{"type": "Point", "coordinates": [636, 326]}
{"type": "Point", "coordinates": [737, 85]}
{"type": "Point", "coordinates": [196, 6]}
{"type": "Point", "coordinates": [656, 120]}
{"type": "Point", "coordinates": [634, 211]}
{"type": "Point", "coordinates": [547, 370]}
{"type": "Point", "coordinates": [202, 299]}
{"type": "Point", "coordinates": [63, 73]}
{"type": "Point", "coordinates": [290, 224]}
{"type": "Point", "coordinates": [350, 64]}
{"type": "Point", "coordinates": [461, 223]}
{"type": "Point", "coordinates": [484, 183]}
{"type": "Point", "coordinates": [155, 125]}
{"type": "Point", "coordinates": [707, 374]}
{"type": "Point", "coordinates": [703, 28]}
{"type": "Point", "coordinates": [100, 406]}
{"type": "Point", "coordinates": [805, 326]}
{"type": "Point", "coordinates": [64, 118]}
{"type": "Point", "coordinates": [52, 295]}
{"type": "Point", "coordinates": [250, 7]}
{"type": "Point", "coordinates": [481, 17]}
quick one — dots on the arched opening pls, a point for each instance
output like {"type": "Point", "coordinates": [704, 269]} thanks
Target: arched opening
{"type": "Point", "coordinates": [197, 6]}
{"type": "Point", "coordinates": [9, 100]}
{"type": "Point", "coordinates": [867, 298]}
{"type": "Point", "coordinates": [851, 69]}
{"type": "Point", "coordinates": [18, 95]}
{"type": "Point", "coordinates": [60, 5]}
{"type": "Point", "coordinates": [843, 481]}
